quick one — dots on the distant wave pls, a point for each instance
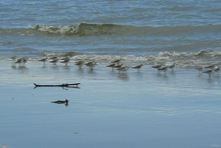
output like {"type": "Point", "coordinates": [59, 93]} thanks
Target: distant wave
{"type": "Point", "coordinates": [84, 29]}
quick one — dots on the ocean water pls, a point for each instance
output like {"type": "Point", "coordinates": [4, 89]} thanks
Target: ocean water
{"type": "Point", "coordinates": [139, 28]}
{"type": "Point", "coordinates": [178, 108]}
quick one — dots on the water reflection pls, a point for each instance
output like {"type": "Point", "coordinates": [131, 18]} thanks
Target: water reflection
{"type": "Point", "coordinates": [164, 75]}
{"type": "Point", "coordinates": [66, 67]}
{"type": "Point", "coordinates": [65, 102]}
{"type": "Point", "coordinates": [123, 76]}
{"type": "Point", "coordinates": [18, 67]}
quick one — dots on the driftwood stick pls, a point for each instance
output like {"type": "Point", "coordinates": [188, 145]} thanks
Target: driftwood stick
{"type": "Point", "coordinates": [74, 85]}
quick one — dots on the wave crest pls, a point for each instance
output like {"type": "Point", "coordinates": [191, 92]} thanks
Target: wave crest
{"type": "Point", "coordinates": [82, 29]}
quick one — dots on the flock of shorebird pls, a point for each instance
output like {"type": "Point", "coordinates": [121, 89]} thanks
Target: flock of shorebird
{"type": "Point", "coordinates": [116, 64]}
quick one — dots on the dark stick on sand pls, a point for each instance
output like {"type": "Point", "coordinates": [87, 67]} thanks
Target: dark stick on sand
{"type": "Point", "coordinates": [74, 85]}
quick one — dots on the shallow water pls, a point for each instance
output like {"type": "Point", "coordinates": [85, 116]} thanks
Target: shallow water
{"type": "Point", "coordinates": [111, 109]}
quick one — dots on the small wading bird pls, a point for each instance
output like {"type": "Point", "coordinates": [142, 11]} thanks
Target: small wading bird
{"type": "Point", "coordinates": [53, 57]}
{"type": "Point", "coordinates": [22, 61]}
{"type": "Point", "coordinates": [210, 66]}
{"type": "Point", "coordinates": [54, 61]}
{"type": "Point", "coordinates": [123, 69]}
{"type": "Point", "coordinates": [199, 68]}
{"type": "Point", "coordinates": [216, 69]}
{"type": "Point", "coordinates": [157, 66]}
{"type": "Point", "coordinates": [79, 63]}
{"type": "Point", "coordinates": [138, 67]}
{"type": "Point", "coordinates": [172, 66]}
{"type": "Point", "coordinates": [112, 65]}
{"type": "Point", "coordinates": [209, 72]}
{"type": "Point", "coordinates": [43, 60]}
{"type": "Point", "coordinates": [91, 64]}
{"type": "Point", "coordinates": [13, 58]}
{"type": "Point", "coordinates": [116, 61]}
{"type": "Point", "coordinates": [164, 68]}
{"type": "Point", "coordinates": [65, 61]}
{"type": "Point", "coordinates": [118, 65]}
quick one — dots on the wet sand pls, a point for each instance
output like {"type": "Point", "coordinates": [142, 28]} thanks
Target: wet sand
{"type": "Point", "coordinates": [133, 109]}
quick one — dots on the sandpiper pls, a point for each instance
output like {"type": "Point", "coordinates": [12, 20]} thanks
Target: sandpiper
{"type": "Point", "coordinates": [65, 58]}
{"type": "Point", "coordinates": [66, 61]}
{"type": "Point", "coordinates": [116, 61]}
{"type": "Point", "coordinates": [22, 61]}
{"type": "Point", "coordinates": [112, 65]}
{"type": "Point", "coordinates": [54, 61]}
{"type": "Point", "coordinates": [79, 63]}
{"type": "Point", "coordinates": [43, 60]}
{"type": "Point", "coordinates": [91, 64]}
{"type": "Point", "coordinates": [209, 72]}
{"type": "Point", "coordinates": [138, 67]}
{"type": "Point", "coordinates": [157, 66]}
{"type": "Point", "coordinates": [13, 58]}
{"type": "Point", "coordinates": [172, 66]}
{"type": "Point", "coordinates": [123, 69]}
{"type": "Point", "coordinates": [118, 65]}
{"type": "Point", "coordinates": [199, 68]}
{"type": "Point", "coordinates": [164, 68]}
{"type": "Point", "coordinates": [216, 69]}
{"type": "Point", "coordinates": [53, 58]}
{"type": "Point", "coordinates": [18, 61]}
{"type": "Point", "coordinates": [210, 66]}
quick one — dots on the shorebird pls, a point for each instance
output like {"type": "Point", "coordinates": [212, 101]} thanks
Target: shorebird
{"type": "Point", "coordinates": [157, 66]}
{"type": "Point", "coordinates": [22, 61]}
{"type": "Point", "coordinates": [209, 72]}
{"type": "Point", "coordinates": [13, 58]}
{"type": "Point", "coordinates": [138, 67]}
{"type": "Point", "coordinates": [66, 61]}
{"type": "Point", "coordinates": [116, 61]}
{"type": "Point", "coordinates": [216, 69]}
{"type": "Point", "coordinates": [164, 68]}
{"type": "Point", "coordinates": [65, 102]}
{"type": "Point", "coordinates": [79, 63]}
{"type": "Point", "coordinates": [65, 58]}
{"type": "Point", "coordinates": [53, 58]}
{"type": "Point", "coordinates": [172, 66]}
{"type": "Point", "coordinates": [18, 61]}
{"type": "Point", "coordinates": [54, 61]}
{"type": "Point", "coordinates": [43, 60]}
{"type": "Point", "coordinates": [199, 68]}
{"type": "Point", "coordinates": [118, 65]}
{"type": "Point", "coordinates": [112, 65]}
{"type": "Point", "coordinates": [91, 64]}
{"type": "Point", "coordinates": [210, 66]}
{"type": "Point", "coordinates": [123, 69]}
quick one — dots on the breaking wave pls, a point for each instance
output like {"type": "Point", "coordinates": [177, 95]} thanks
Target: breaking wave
{"type": "Point", "coordinates": [84, 29]}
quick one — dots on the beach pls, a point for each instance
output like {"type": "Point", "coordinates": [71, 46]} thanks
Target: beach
{"type": "Point", "coordinates": [110, 109]}
{"type": "Point", "coordinates": [120, 107]}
